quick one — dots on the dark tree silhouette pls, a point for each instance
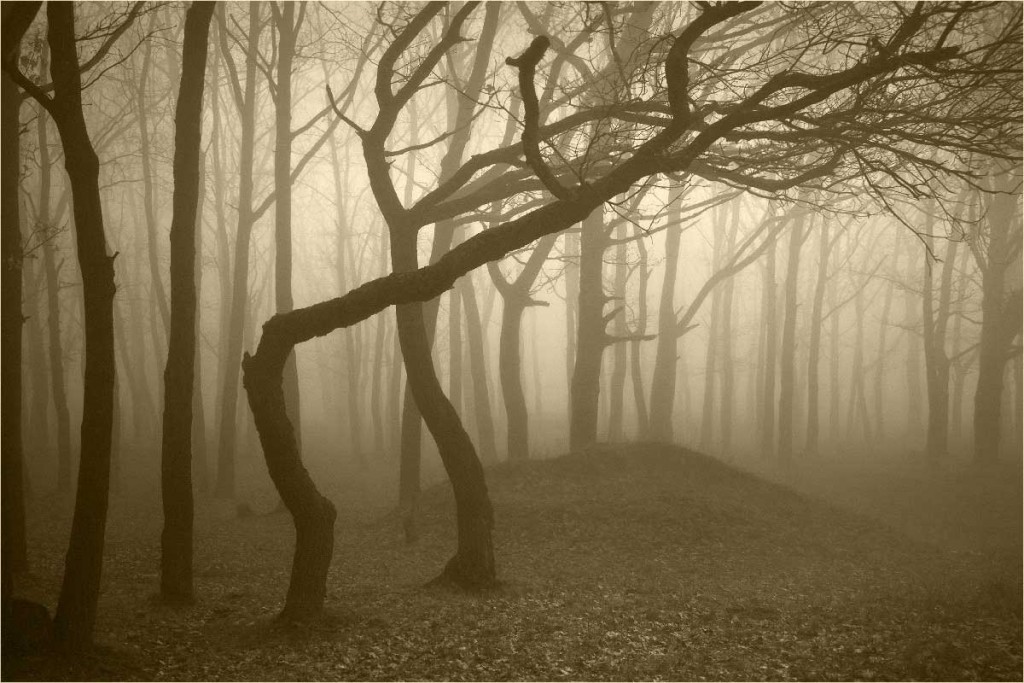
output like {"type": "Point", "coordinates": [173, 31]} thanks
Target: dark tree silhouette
{"type": "Point", "coordinates": [684, 140]}
{"type": "Point", "coordinates": [176, 540]}
{"type": "Point", "coordinates": [76, 608]}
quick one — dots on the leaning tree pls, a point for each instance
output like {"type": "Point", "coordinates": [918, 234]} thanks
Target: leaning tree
{"type": "Point", "coordinates": [830, 97]}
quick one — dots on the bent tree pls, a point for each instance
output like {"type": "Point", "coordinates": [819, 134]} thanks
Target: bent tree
{"type": "Point", "coordinates": [76, 607]}
{"type": "Point", "coordinates": [745, 135]}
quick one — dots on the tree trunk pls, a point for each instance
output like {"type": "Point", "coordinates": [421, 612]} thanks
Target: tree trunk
{"type": "Point", "coordinates": [312, 514]}
{"type": "Point", "coordinates": [55, 347]}
{"type": "Point", "coordinates": [787, 380]}
{"type": "Point", "coordinates": [283, 299]}
{"type": "Point", "coordinates": [142, 108]}
{"type": "Point", "coordinates": [814, 342]}
{"type": "Point", "coordinates": [76, 607]}
{"type": "Point", "coordinates": [15, 554]}
{"type": "Point", "coordinates": [617, 386]}
{"type": "Point", "coordinates": [770, 317]}
{"type": "Point", "coordinates": [478, 370]}
{"type": "Point", "coordinates": [176, 469]}
{"type": "Point", "coordinates": [636, 366]}
{"type": "Point", "coordinates": [1001, 321]}
{"type": "Point", "coordinates": [225, 487]}
{"type": "Point", "coordinates": [455, 349]}
{"type": "Point", "coordinates": [199, 453]}
{"type": "Point", "coordinates": [936, 360]}
{"type": "Point", "coordinates": [510, 372]}
{"type": "Point", "coordinates": [710, 351]}
{"type": "Point", "coordinates": [728, 379]}
{"type": "Point", "coordinates": [591, 338]}
{"type": "Point", "coordinates": [663, 381]}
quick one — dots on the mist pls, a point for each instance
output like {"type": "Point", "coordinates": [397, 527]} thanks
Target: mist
{"type": "Point", "coordinates": [547, 336]}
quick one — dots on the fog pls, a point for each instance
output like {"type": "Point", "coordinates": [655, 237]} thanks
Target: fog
{"type": "Point", "coordinates": [815, 280]}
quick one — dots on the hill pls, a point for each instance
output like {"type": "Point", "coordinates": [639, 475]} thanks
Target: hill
{"type": "Point", "coordinates": [640, 562]}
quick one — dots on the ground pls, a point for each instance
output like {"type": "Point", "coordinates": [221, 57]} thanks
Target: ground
{"type": "Point", "coordinates": [641, 562]}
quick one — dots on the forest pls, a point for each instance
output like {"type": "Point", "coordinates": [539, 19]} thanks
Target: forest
{"type": "Point", "coordinates": [511, 340]}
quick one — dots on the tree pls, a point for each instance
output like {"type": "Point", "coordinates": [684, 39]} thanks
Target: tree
{"type": "Point", "coordinates": [76, 607]}
{"type": "Point", "coordinates": [15, 553]}
{"type": "Point", "coordinates": [176, 480]}
{"type": "Point", "coordinates": [1001, 312]}
{"type": "Point", "coordinates": [680, 142]}
{"type": "Point", "coordinates": [515, 296]}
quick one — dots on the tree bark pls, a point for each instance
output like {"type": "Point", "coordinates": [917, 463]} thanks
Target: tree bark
{"type": "Point", "coordinates": [176, 469]}
{"type": "Point", "coordinates": [591, 338]}
{"type": "Point", "coordinates": [76, 607]}
{"type": "Point", "coordinates": [287, 31]}
{"type": "Point", "coordinates": [15, 553]}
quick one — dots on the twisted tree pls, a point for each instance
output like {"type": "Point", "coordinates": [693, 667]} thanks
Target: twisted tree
{"type": "Point", "coordinates": [817, 107]}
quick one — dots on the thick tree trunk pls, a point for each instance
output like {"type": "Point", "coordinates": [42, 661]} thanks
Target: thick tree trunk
{"type": "Point", "coordinates": [663, 381]}
{"type": "Point", "coordinates": [591, 338]}
{"type": "Point", "coordinates": [312, 514]}
{"type": "Point", "coordinates": [15, 554]}
{"type": "Point", "coordinates": [176, 469]}
{"type": "Point", "coordinates": [76, 607]}
{"type": "Point", "coordinates": [455, 349]}
{"type": "Point", "coordinates": [1001, 322]}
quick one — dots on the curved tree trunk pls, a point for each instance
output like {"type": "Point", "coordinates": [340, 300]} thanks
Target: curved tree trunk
{"type": "Point", "coordinates": [510, 372]}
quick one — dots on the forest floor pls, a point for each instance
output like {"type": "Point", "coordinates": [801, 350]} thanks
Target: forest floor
{"type": "Point", "coordinates": [640, 562]}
